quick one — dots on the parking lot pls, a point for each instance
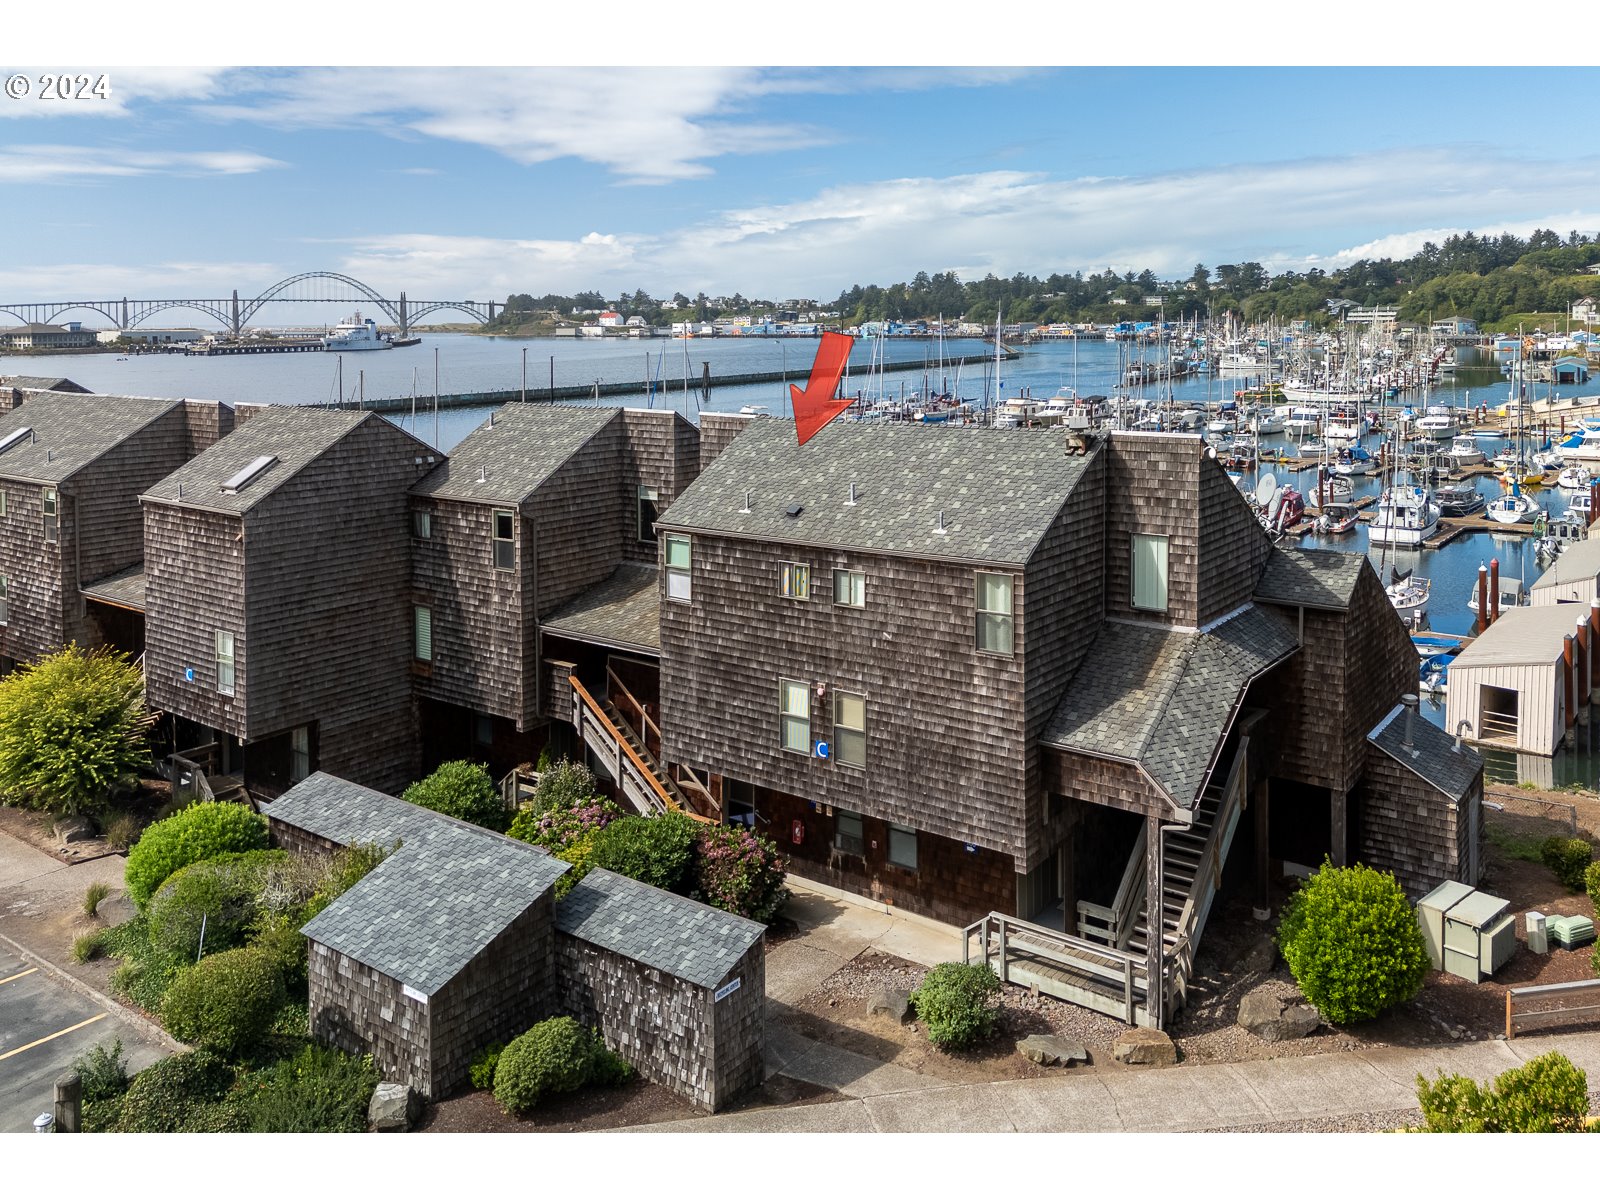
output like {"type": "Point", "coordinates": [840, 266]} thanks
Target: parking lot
{"type": "Point", "coordinates": [44, 1024]}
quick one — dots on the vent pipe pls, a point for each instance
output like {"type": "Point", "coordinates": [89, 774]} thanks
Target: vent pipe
{"type": "Point", "coordinates": [180, 491]}
{"type": "Point", "coordinates": [483, 474]}
{"type": "Point", "coordinates": [1410, 702]}
{"type": "Point", "coordinates": [852, 501]}
{"type": "Point", "coordinates": [941, 528]}
{"type": "Point", "coordinates": [747, 495]}
{"type": "Point", "coordinates": [1460, 725]}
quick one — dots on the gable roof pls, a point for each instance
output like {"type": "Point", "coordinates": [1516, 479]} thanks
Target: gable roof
{"type": "Point", "coordinates": [294, 435]}
{"type": "Point", "coordinates": [1165, 698]}
{"type": "Point", "coordinates": [1578, 563]}
{"type": "Point", "coordinates": [504, 460]}
{"type": "Point", "coordinates": [622, 610]}
{"type": "Point", "coordinates": [1433, 756]}
{"type": "Point", "coordinates": [686, 939]}
{"type": "Point", "coordinates": [43, 383]}
{"type": "Point", "coordinates": [1310, 578]}
{"type": "Point", "coordinates": [999, 490]}
{"type": "Point", "coordinates": [69, 430]}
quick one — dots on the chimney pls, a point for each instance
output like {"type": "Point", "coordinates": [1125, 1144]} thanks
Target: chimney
{"type": "Point", "coordinates": [1410, 702]}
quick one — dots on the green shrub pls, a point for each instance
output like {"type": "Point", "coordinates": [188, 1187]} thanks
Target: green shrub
{"type": "Point", "coordinates": [957, 1003]}
{"type": "Point", "coordinates": [1545, 1095]}
{"type": "Point", "coordinates": [566, 784]}
{"type": "Point", "coordinates": [220, 894]}
{"type": "Point", "coordinates": [1569, 858]}
{"type": "Point", "coordinates": [1352, 942]}
{"type": "Point", "coordinates": [608, 1068]}
{"type": "Point", "coordinates": [278, 936]}
{"type": "Point", "coordinates": [121, 830]}
{"type": "Point", "coordinates": [199, 832]}
{"type": "Point", "coordinates": [653, 850]}
{"type": "Point", "coordinates": [483, 1067]}
{"type": "Point", "coordinates": [177, 1094]}
{"type": "Point", "coordinates": [73, 730]}
{"type": "Point", "coordinates": [319, 1090]}
{"type": "Point", "coordinates": [1591, 884]}
{"type": "Point", "coordinates": [554, 1056]}
{"type": "Point", "coordinates": [87, 947]}
{"type": "Point", "coordinates": [349, 867]}
{"type": "Point", "coordinates": [463, 790]}
{"type": "Point", "coordinates": [738, 871]}
{"type": "Point", "coordinates": [92, 896]}
{"type": "Point", "coordinates": [103, 1071]}
{"type": "Point", "coordinates": [226, 1002]}
{"type": "Point", "coordinates": [142, 977]}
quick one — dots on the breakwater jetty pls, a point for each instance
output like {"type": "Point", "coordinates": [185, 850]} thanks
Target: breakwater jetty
{"type": "Point", "coordinates": [663, 388]}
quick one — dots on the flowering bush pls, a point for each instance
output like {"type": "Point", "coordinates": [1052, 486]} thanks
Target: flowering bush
{"type": "Point", "coordinates": [565, 823]}
{"type": "Point", "coordinates": [738, 871]}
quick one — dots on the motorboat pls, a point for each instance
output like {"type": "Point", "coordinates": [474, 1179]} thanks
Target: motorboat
{"type": "Point", "coordinates": [1465, 451]}
{"type": "Point", "coordinates": [1268, 421]}
{"type": "Point", "coordinates": [1512, 594]}
{"type": "Point", "coordinates": [1303, 421]}
{"type": "Point", "coordinates": [1584, 444]}
{"type": "Point", "coordinates": [1312, 449]}
{"type": "Point", "coordinates": [1409, 593]}
{"type": "Point", "coordinates": [1343, 427]}
{"type": "Point", "coordinates": [1458, 499]}
{"type": "Point", "coordinates": [1406, 516]}
{"type": "Point", "coordinates": [1338, 518]}
{"type": "Point", "coordinates": [1575, 478]}
{"type": "Point", "coordinates": [1439, 422]}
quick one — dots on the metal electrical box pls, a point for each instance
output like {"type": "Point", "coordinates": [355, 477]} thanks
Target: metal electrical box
{"type": "Point", "coordinates": [1538, 933]}
{"type": "Point", "coordinates": [1430, 915]}
{"type": "Point", "coordinates": [1468, 933]}
{"type": "Point", "coordinates": [1571, 932]}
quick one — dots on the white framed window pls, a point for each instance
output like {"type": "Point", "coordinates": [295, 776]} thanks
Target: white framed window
{"type": "Point", "coordinates": [995, 613]}
{"type": "Point", "coordinates": [850, 728]}
{"type": "Point", "coordinates": [903, 847]}
{"type": "Point", "coordinates": [224, 662]}
{"type": "Point", "coordinates": [422, 633]}
{"type": "Point", "coordinates": [648, 503]}
{"type": "Point", "coordinates": [299, 753]}
{"type": "Point", "coordinates": [679, 556]}
{"type": "Point", "coordinates": [847, 836]}
{"type": "Point", "coordinates": [422, 523]}
{"type": "Point", "coordinates": [794, 580]}
{"type": "Point", "coordinates": [52, 520]}
{"type": "Point", "coordinates": [505, 540]}
{"type": "Point", "coordinates": [5, 600]}
{"type": "Point", "coordinates": [794, 707]}
{"type": "Point", "coordinates": [850, 588]}
{"type": "Point", "coordinates": [1150, 572]}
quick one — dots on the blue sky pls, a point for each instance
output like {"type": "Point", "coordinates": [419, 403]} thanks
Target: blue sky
{"type": "Point", "coordinates": [477, 181]}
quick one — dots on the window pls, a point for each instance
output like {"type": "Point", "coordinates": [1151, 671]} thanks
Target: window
{"type": "Point", "coordinates": [850, 588]}
{"type": "Point", "coordinates": [647, 514]}
{"type": "Point", "coordinates": [994, 613]}
{"type": "Point", "coordinates": [794, 580]}
{"type": "Point", "coordinates": [52, 523]}
{"type": "Point", "coordinates": [299, 753]}
{"type": "Point", "coordinates": [850, 729]}
{"type": "Point", "coordinates": [422, 523]}
{"type": "Point", "coordinates": [422, 633]}
{"type": "Point", "coordinates": [1150, 572]}
{"type": "Point", "coordinates": [903, 847]}
{"type": "Point", "coordinates": [224, 662]}
{"type": "Point", "coordinates": [5, 600]}
{"type": "Point", "coordinates": [739, 803]}
{"type": "Point", "coordinates": [795, 705]}
{"type": "Point", "coordinates": [505, 546]}
{"type": "Point", "coordinates": [847, 832]}
{"type": "Point", "coordinates": [677, 567]}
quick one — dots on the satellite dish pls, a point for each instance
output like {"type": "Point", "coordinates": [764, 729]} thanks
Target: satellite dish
{"type": "Point", "coordinates": [1275, 504]}
{"type": "Point", "coordinates": [1264, 489]}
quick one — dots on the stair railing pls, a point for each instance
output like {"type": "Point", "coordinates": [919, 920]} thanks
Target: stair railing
{"type": "Point", "coordinates": [634, 776]}
{"type": "Point", "coordinates": [1005, 938]}
{"type": "Point", "coordinates": [628, 704]}
{"type": "Point", "coordinates": [1115, 925]}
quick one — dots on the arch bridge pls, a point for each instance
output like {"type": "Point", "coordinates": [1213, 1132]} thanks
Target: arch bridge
{"type": "Point", "coordinates": [234, 313]}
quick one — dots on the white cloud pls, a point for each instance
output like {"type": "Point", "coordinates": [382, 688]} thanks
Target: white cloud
{"type": "Point", "coordinates": [57, 164]}
{"type": "Point", "coordinates": [126, 87]}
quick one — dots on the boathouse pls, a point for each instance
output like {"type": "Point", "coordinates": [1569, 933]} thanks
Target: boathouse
{"type": "Point", "coordinates": [1521, 683]}
{"type": "Point", "coordinates": [1574, 577]}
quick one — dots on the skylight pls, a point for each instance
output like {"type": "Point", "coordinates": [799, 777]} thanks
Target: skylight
{"type": "Point", "coordinates": [252, 469]}
{"type": "Point", "coordinates": [15, 436]}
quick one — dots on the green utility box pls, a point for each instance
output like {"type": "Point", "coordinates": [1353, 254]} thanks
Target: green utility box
{"type": "Point", "coordinates": [1571, 932]}
{"type": "Point", "coordinates": [1468, 933]}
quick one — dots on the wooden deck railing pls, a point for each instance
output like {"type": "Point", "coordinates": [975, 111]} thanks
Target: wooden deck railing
{"type": "Point", "coordinates": [1548, 1004]}
{"type": "Point", "coordinates": [1011, 940]}
{"type": "Point", "coordinates": [1114, 926]}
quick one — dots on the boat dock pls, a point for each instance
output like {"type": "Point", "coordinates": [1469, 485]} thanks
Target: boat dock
{"type": "Point", "coordinates": [213, 349]}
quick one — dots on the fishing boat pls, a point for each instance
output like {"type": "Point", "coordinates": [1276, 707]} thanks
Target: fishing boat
{"type": "Point", "coordinates": [1439, 422]}
{"type": "Point", "coordinates": [1458, 500]}
{"type": "Point", "coordinates": [1514, 508]}
{"type": "Point", "coordinates": [1465, 451]}
{"type": "Point", "coordinates": [1406, 516]}
{"type": "Point", "coordinates": [1409, 593]}
{"type": "Point", "coordinates": [1581, 507]}
{"type": "Point", "coordinates": [1338, 518]}
{"type": "Point", "coordinates": [1242, 451]}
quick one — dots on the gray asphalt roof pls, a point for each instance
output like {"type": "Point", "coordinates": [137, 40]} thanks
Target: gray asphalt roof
{"type": "Point", "coordinates": [295, 435]}
{"type": "Point", "coordinates": [686, 939]}
{"type": "Point", "coordinates": [1164, 698]}
{"type": "Point", "coordinates": [42, 383]}
{"type": "Point", "coordinates": [1436, 759]}
{"type": "Point", "coordinates": [432, 906]}
{"type": "Point", "coordinates": [506, 458]}
{"type": "Point", "coordinates": [1578, 563]}
{"type": "Point", "coordinates": [1525, 635]}
{"type": "Point", "coordinates": [123, 588]}
{"type": "Point", "coordinates": [1312, 578]}
{"type": "Point", "coordinates": [70, 430]}
{"type": "Point", "coordinates": [622, 610]}
{"type": "Point", "coordinates": [999, 490]}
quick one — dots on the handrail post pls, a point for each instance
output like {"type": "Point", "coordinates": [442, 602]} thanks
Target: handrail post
{"type": "Point", "coordinates": [1005, 967]}
{"type": "Point", "coordinates": [1511, 1031]}
{"type": "Point", "coordinates": [1127, 990]}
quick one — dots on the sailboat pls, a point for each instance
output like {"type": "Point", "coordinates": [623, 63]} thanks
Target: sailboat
{"type": "Point", "coordinates": [1514, 507]}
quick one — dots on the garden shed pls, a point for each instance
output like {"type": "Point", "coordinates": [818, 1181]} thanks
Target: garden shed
{"type": "Point", "coordinates": [676, 987]}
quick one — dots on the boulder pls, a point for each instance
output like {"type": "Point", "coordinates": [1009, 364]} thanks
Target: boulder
{"type": "Point", "coordinates": [74, 829]}
{"type": "Point", "coordinates": [394, 1108]}
{"type": "Point", "coordinates": [1277, 1018]}
{"type": "Point", "coordinates": [1144, 1047]}
{"type": "Point", "coordinates": [896, 1005]}
{"type": "Point", "coordinates": [1261, 957]}
{"type": "Point", "coordinates": [1050, 1051]}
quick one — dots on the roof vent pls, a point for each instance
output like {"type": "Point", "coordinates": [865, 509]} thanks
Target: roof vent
{"type": "Point", "coordinates": [243, 478]}
{"type": "Point", "coordinates": [794, 510]}
{"type": "Point", "coordinates": [851, 502]}
{"type": "Point", "coordinates": [1410, 702]}
{"type": "Point", "coordinates": [483, 474]}
{"type": "Point", "coordinates": [748, 494]}
{"type": "Point", "coordinates": [49, 455]}
{"type": "Point", "coordinates": [180, 491]}
{"type": "Point", "coordinates": [15, 436]}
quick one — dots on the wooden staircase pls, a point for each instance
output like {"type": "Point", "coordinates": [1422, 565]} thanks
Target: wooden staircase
{"type": "Point", "coordinates": [622, 755]}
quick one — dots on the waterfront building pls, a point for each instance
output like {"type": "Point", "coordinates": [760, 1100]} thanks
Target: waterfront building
{"type": "Point", "coordinates": [1523, 681]}
{"type": "Point", "coordinates": [35, 336]}
{"type": "Point", "coordinates": [16, 389]}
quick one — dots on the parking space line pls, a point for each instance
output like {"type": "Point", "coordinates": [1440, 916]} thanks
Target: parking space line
{"type": "Point", "coordinates": [54, 1036]}
{"type": "Point", "coordinates": [19, 975]}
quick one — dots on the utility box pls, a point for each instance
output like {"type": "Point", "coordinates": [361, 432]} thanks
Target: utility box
{"type": "Point", "coordinates": [1480, 935]}
{"type": "Point", "coordinates": [1571, 932]}
{"type": "Point", "coordinates": [1430, 915]}
{"type": "Point", "coordinates": [1538, 935]}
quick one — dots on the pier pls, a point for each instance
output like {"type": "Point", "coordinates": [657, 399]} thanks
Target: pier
{"type": "Point", "coordinates": [213, 349]}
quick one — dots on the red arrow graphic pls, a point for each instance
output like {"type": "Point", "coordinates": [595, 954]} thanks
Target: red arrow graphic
{"type": "Point", "coordinates": [815, 406]}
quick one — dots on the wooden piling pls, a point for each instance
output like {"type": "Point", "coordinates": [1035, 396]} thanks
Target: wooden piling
{"type": "Point", "coordinates": [1494, 590]}
{"type": "Point", "coordinates": [1566, 677]}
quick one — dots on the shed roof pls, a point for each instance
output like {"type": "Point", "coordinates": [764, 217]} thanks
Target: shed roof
{"type": "Point", "coordinates": [1433, 756]}
{"type": "Point", "coordinates": [1521, 636]}
{"type": "Point", "coordinates": [293, 435]}
{"type": "Point", "coordinates": [1310, 578]}
{"type": "Point", "coordinates": [124, 589]}
{"type": "Point", "coordinates": [998, 490]}
{"type": "Point", "coordinates": [1165, 698]}
{"type": "Point", "coordinates": [504, 460]}
{"type": "Point", "coordinates": [686, 939]}
{"type": "Point", "coordinates": [43, 383]}
{"type": "Point", "coordinates": [622, 610]}
{"type": "Point", "coordinates": [69, 430]}
{"type": "Point", "coordinates": [1578, 563]}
